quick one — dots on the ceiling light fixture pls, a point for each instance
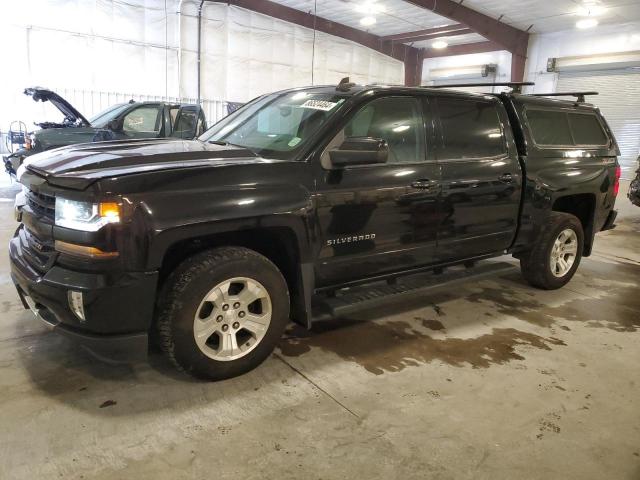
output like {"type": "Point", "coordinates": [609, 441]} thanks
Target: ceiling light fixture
{"type": "Point", "coordinates": [586, 23]}
{"type": "Point", "coordinates": [439, 44]}
{"type": "Point", "coordinates": [366, 21]}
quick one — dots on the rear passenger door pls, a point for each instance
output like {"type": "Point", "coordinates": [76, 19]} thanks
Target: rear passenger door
{"type": "Point", "coordinates": [480, 177]}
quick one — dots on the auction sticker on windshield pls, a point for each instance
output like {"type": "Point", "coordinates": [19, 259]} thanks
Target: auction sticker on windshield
{"type": "Point", "coordinates": [323, 105]}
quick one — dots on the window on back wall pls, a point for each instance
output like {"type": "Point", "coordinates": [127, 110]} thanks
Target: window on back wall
{"type": "Point", "coordinates": [470, 128]}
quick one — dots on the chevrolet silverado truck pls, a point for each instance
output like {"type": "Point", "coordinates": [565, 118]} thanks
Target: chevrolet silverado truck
{"type": "Point", "coordinates": [209, 247]}
{"type": "Point", "coordinates": [121, 121]}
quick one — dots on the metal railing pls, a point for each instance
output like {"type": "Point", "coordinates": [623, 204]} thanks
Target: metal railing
{"type": "Point", "coordinates": [91, 102]}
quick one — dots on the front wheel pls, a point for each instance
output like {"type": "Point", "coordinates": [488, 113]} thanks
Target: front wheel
{"type": "Point", "coordinates": [222, 312]}
{"type": "Point", "coordinates": [555, 257]}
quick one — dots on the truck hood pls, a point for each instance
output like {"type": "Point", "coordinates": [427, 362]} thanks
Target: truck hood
{"type": "Point", "coordinates": [72, 115]}
{"type": "Point", "coordinates": [78, 166]}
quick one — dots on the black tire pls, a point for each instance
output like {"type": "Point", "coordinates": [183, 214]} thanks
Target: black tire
{"type": "Point", "coordinates": [185, 289]}
{"type": "Point", "coordinates": [536, 264]}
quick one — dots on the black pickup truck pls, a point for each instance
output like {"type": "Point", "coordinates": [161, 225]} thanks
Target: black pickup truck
{"type": "Point", "coordinates": [210, 246]}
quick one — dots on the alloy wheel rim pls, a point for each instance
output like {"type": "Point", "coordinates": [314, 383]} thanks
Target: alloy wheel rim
{"type": "Point", "coordinates": [564, 253]}
{"type": "Point", "coordinates": [232, 319]}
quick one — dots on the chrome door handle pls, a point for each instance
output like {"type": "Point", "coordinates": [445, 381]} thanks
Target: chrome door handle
{"type": "Point", "coordinates": [424, 184]}
{"type": "Point", "coordinates": [506, 178]}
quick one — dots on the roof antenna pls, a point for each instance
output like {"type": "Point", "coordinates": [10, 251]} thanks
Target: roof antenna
{"type": "Point", "coordinates": [344, 85]}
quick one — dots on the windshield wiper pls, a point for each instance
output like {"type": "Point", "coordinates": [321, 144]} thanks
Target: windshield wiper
{"type": "Point", "coordinates": [224, 144]}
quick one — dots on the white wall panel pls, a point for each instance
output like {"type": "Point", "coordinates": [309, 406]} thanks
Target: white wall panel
{"type": "Point", "coordinates": [137, 47]}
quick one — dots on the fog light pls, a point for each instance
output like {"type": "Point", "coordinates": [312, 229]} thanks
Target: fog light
{"type": "Point", "coordinates": [76, 304]}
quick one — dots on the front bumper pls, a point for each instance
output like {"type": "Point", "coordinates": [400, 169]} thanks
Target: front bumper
{"type": "Point", "coordinates": [118, 307]}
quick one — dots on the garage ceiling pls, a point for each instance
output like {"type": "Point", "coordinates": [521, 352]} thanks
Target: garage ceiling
{"type": "Point", "coordinates": [400, 16]}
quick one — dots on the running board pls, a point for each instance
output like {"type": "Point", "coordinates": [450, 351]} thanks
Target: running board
{"type": "Point", "coordinates": [349, 300]}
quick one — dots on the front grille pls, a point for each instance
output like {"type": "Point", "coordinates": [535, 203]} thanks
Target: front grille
{"type": "Point", "coordinates": [41, 204]}
{"type": "Point", "coordinates": [40, 255]}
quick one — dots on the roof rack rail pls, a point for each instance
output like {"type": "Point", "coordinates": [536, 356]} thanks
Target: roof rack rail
{"type": "Point", "coordinates": [516, 86]}
{"type": "Point", "coordinates": [579, 95]}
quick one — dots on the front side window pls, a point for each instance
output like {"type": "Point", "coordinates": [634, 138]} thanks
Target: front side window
{"type": "Point", "coordinates": [276, 126]}
{"type": "Point", "coordinates": [471, 128]}
{"type": "Point", "coordinates": [398, 120]}
{"type": "Point", "coordinates": [146, 119]}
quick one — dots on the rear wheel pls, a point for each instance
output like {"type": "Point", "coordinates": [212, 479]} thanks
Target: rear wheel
{"type": "Point", "coordinates": [222, 312]}
{"type": "Point", "coordinates": [555, 257]}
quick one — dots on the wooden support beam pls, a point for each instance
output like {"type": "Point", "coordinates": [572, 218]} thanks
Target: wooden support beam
{"type": "Point", "coordinates": [464, 49]}
{"type": "Point", "coordinates": [413, 68]}
{"type": "Point", "coordinates": [429, 33]}
{"type": "Point", "coordinates": [510, 38]}
{"type": "Point", "coordinates": [308, 20]}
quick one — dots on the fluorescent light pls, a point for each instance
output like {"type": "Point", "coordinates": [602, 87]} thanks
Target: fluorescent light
{"type": "Point", "coordinates": [586, 23]}
{"type": "Point", "coordinates": [439, 44]}
{"type": "Point", "coordinates": [401, 128]}
{"type": "Point", "coordinates": [368, 21]}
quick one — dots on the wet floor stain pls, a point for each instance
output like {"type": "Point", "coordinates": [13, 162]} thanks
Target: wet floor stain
{"type": "Point", "coordinates": [617, 310]}
{"type": "Point", "coordinates": [393, 346]}
{"type": "Point", "coordinates": [431, 324]}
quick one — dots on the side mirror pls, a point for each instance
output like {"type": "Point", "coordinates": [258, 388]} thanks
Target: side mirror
{"type": "Point", "coordinates": [360, 151]}
{"type": "Point", "coordinates": [114, 125]}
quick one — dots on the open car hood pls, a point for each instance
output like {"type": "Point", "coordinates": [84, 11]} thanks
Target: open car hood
{"type": "Point", "coordinates": [44, 95]}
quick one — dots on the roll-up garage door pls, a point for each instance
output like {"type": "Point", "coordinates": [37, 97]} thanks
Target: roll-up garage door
{"type": "Point", "coordinates": [619, 101]}
{"type": "Point", "coordinates": [467, 79]}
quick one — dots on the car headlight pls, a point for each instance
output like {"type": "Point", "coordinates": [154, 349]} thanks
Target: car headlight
{"type": "Point", "coordinates": [86, 216]}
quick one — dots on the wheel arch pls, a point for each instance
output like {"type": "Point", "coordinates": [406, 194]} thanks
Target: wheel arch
{"type": "Point", "coordinates": [285, 245]}
{"type": "Point", "coordinates": [582, 206]}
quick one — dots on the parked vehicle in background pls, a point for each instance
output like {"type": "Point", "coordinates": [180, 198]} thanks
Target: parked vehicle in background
{"type": "Point", "coordinates": [122, 121]}
{"type": "Point", "coordinates": [634, 188]}
{"type": "Point", "coordinates": [212, 245]}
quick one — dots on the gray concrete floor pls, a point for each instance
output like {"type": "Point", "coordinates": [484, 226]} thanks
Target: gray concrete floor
{"type": "Point", "coordinates": [492, 380]}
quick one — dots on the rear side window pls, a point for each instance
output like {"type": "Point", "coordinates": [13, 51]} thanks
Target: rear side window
{"type": "Point", "coordinates": [587, 129]}
{"type": "Point", "coordinates": [470, 128]}
{"type": "Point", "coordinates": [561, 128]}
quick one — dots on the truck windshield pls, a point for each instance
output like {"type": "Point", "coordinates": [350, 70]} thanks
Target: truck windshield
{"type": "Point", "coordinates": [103, 118]}
{"type": "Point", "coordinates": [276, 126]}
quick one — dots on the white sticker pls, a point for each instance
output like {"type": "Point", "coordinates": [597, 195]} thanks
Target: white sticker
{"type": "Point", "coordinates": [294, 141]}
{"type": "Point", "coordinates": [323, 105]}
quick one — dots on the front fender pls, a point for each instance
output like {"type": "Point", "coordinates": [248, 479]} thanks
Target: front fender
{"type": "Point", "coordinates": [171, 217]}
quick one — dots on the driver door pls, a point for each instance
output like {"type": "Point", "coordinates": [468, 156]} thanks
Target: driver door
{"type": "Point", "coordinates": [379, 218]}
{"type": "Point", "coordinates": [145, 121]}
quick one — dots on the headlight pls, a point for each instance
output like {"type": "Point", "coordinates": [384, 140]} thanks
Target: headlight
{"type": "Point", "coordinates": [85, 216]}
